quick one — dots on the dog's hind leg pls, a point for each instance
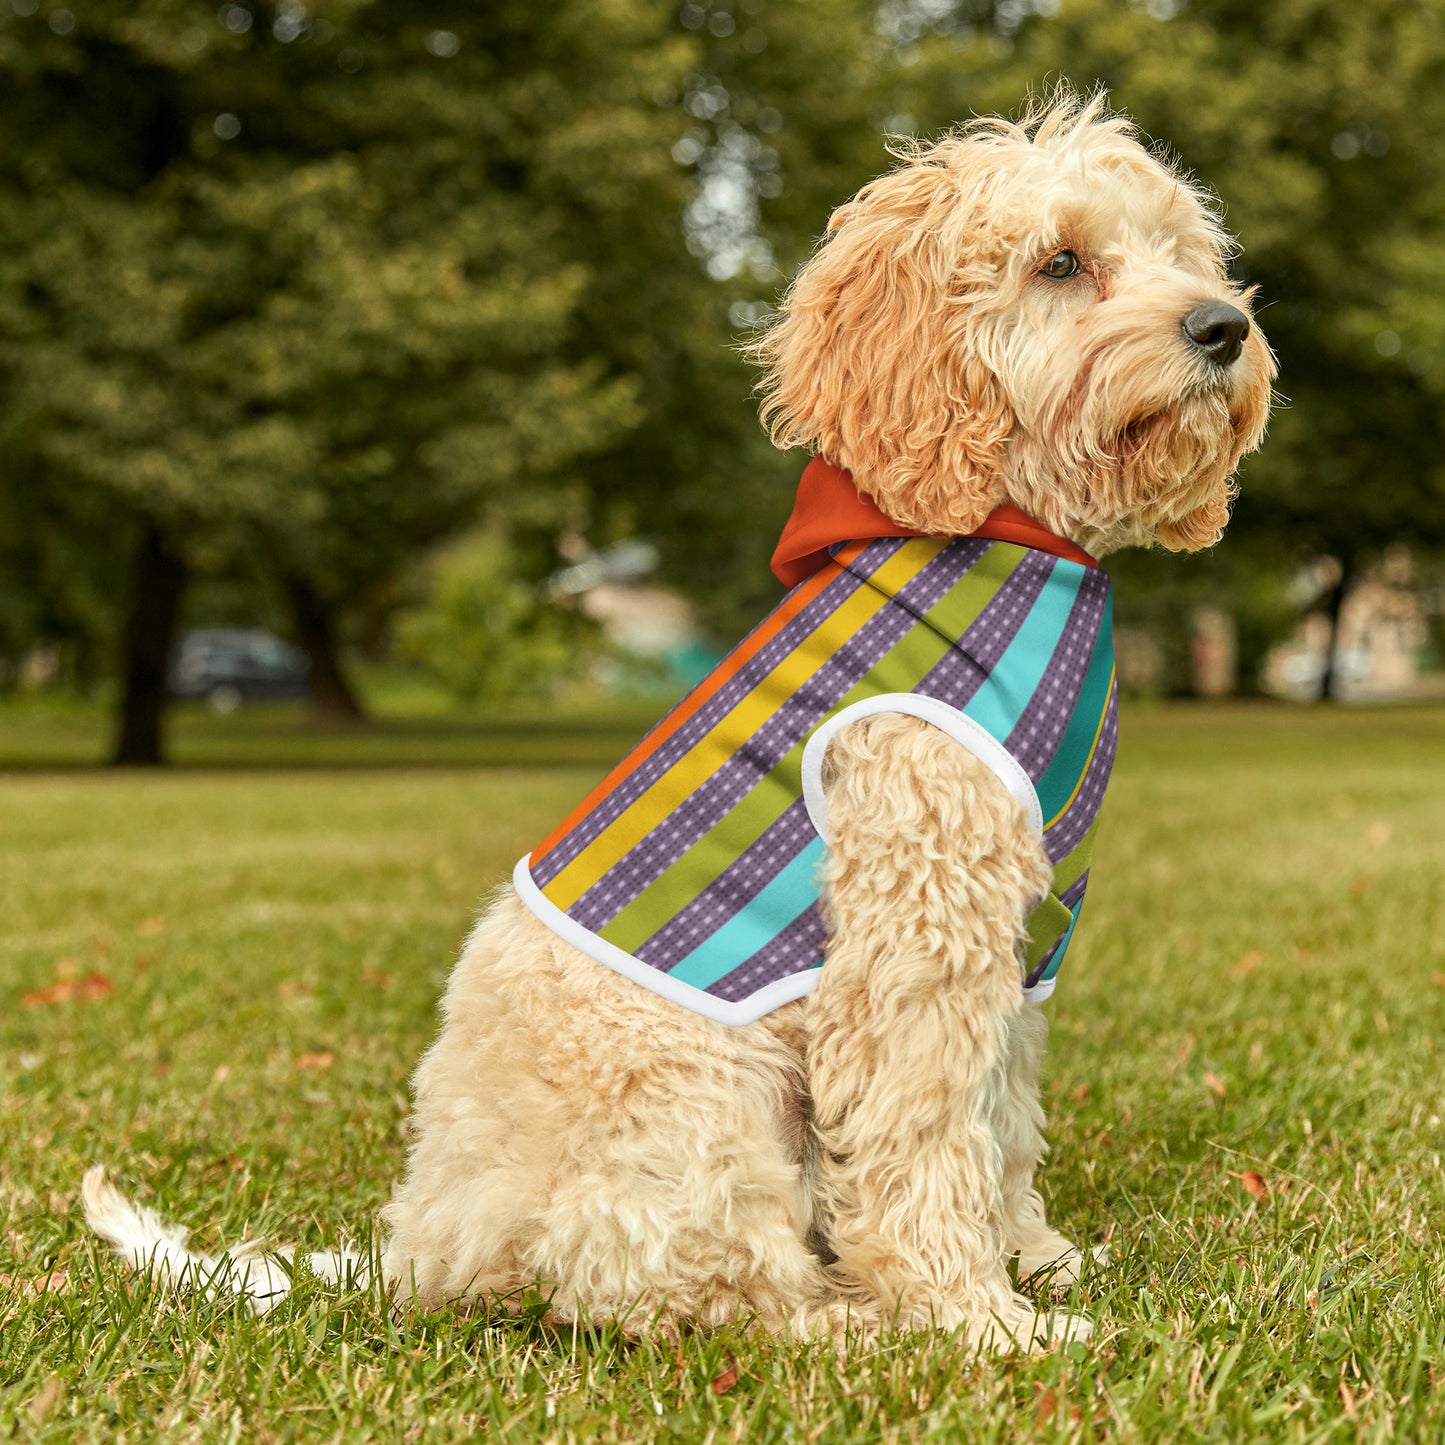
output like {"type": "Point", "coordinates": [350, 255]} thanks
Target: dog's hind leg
{"type": "Point", "coordinates": [931, 872]}
{"type": "Point", "coordinates": [1018, 1124]}
{"type": "Point", "coordinates": [578, 1135]}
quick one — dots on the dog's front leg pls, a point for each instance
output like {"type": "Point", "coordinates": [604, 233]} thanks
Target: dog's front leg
{"type": "Point", "coordinates": [1042, 1251]}
{"type": "Point", "coordinates": [932, 870]}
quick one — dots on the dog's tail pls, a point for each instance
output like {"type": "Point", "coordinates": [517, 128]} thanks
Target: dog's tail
{"type": "Point", "coordinates": [147, 1243]}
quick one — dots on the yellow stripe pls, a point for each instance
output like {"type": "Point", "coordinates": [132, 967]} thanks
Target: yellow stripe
{"type": "Point", "coordinates": [710, 752]}
{"type": "Point", "coordinates": [1093, 747]}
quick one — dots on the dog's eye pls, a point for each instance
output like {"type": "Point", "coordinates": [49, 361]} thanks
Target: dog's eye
{"type": "Point", "coordinates": [1060, 266]}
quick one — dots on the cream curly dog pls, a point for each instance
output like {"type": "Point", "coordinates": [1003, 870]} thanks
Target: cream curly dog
{"type": "Point", "coordinates": [1027, 322]}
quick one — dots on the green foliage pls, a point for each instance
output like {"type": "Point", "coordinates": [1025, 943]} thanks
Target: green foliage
{"type": "Point", "coordinates": [323, 284]}
{"type": "Point", "coordinates": [485, 635]}
{"type": "Point", "coordinates": [313, 290]}
{"type": "Point", "coordinates": [1265, 911]}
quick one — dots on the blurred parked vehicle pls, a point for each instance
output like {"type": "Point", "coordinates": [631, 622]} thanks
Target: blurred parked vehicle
{"type": "Point", "coordinates": [227, 666]}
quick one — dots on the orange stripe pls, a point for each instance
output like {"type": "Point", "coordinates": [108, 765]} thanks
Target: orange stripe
{"type": "Point", "coordinates": [708, 688]}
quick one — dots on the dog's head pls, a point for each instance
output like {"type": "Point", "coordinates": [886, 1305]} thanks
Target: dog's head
{"type": "Point", "coordinates": [1036, 313]}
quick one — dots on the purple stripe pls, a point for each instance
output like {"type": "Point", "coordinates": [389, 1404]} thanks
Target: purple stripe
{"type": "Point", "coordinates": [963, 669]}
{"type": "Point", "coordinates": [760, 754]}
{"type": "Point", "coordinates": [960, 556]}
{"type": "Point", "coordinates": [799, 946]}
{"type": "Point", "coordinates": [755, 867]}
{"type": "Point", "coordinates": [1064, 836]}
{"type": "Point", "coordinates": [627, 792]}
{"type": "Point", "coordinates": [1041, 726]}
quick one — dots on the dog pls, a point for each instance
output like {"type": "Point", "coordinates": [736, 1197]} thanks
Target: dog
{"type": "Point", "coordinates": [671, 1097]}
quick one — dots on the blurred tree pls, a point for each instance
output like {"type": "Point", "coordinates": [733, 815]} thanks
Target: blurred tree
{"type": "Point", "coordinates": [780, 115]}
{"type": "Point", "coordinates": [306, 281]}
{"type": "Point", "coordinates": [325, 283]}
{"type": "Point", "coordinates": [480, 631]}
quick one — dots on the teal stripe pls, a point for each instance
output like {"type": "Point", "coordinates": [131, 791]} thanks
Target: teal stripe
{"type": "Point", "coordinates": [791, 893]}
{"type": "Point", "coordinates": [1057, 785]}
{"type": "Point", "coordinates": [1001, 701]}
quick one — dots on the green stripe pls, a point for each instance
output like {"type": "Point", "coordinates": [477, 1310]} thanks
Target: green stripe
{"type": "Point", "coordinates": [1073, 865]}
{"type": "Point", "coordinates": [1063, 947]}
{"type": "Point", "coordinates": [1047, 924]}
{"type": "Point", "coordinates": [736, 831]}
{"type": "Point", "coordinates": [900, 669]}
{"type": "Point", "coordinates": [1052, 919]}
{"type": "Point", "coordinates": [963, 604]}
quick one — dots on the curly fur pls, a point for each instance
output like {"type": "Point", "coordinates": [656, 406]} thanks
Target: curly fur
{"type": "Point", "coordinates": [865, 1156]}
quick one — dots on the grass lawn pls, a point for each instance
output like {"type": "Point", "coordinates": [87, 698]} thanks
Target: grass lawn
{"type": "Point", "coordinates": [216, 980]}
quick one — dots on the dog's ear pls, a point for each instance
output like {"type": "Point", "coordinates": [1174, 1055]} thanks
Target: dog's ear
{"type": "Point", "coordinates": [873, 362]}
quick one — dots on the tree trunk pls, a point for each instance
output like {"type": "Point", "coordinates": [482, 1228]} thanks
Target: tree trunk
{"type": "Point", "coordinates": [333, 699]}
{"type": "Point", "coordinates": [150, 629]}
{"type": "Point", "coordinates": [1329, 676]}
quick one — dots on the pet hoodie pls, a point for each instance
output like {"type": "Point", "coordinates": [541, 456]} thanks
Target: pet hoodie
{"type": "Point", "coordinates": [692, 868]}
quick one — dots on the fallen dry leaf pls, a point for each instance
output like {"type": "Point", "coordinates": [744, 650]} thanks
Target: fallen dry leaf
{"type": "Point", "coordinates": [1347, 1399]}
{"type": "Point", "coordinates": [56, 1282]}
{"type": "Point", "coordinates": [66, 990]}
{"type": "Point", "coordinates": [1254, 1182]}
{"type": "Point", "coordinates": [377, 979]}
{"type": "Point", "coordinates": [722, 1383]}
{"type": "Point", "coordinates": [1080, 1094]}
{"type": "Point", "coordinates": [1377, 834]}
{"type": "Point", "coordinates": [1440, 980]}
{"type": "Point", "coordinates": [321, 1059]}
{"type": "Point", "coordinates": [46, 1398]}
{"type": "Point", "coordinates": [56, 993]}
{"type": "Point", "coordinates": [1046, 1407]}
{"type": "Point", "coordinates": [1214, 1083]}
{"type": "Point", "coordinates": [1247, 964]}
{"type": "Point", "coordinates": [151, 927]}
{"type": "Point", "coordinates": [1181, 1054]}
{"type": "Point", "coordinates": [1360, 885]}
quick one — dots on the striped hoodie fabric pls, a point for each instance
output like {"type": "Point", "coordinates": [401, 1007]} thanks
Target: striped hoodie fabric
{"type": "Point", "coordinates": [692, 868]}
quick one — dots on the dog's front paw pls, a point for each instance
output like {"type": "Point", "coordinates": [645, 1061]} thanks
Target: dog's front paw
{"type": "Point", "coordinates": [1057, 1266]}
{"type": "Point", "coordinates": [1023, 1326]}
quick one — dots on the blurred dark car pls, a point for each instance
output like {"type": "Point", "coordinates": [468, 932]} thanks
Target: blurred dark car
{"type": "Point", "coordinates": [230, 665]}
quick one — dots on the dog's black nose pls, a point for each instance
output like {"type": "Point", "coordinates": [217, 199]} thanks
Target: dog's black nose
{"type": "Point", "coordinates": [1217, 330]}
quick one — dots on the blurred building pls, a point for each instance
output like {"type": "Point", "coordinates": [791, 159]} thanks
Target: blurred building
{"type": "Point", "coordinates": [1382, 648]}
{"type": "Point", "coordinates": [657, 644]}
